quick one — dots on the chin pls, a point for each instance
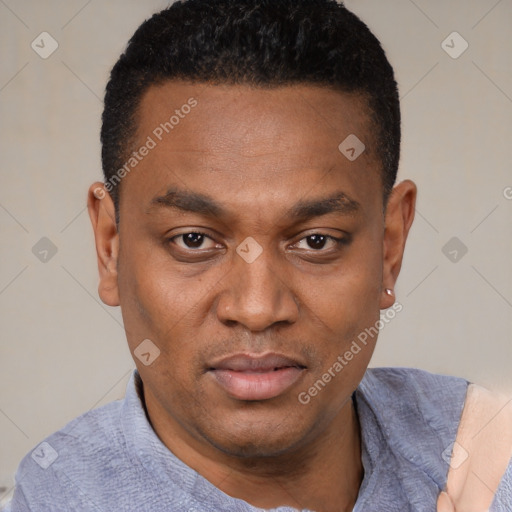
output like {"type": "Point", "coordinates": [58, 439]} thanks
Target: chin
{"type": "Point", "coordinates": [255, 441]}
{"type": "Point", "coordinates": [254, 448]}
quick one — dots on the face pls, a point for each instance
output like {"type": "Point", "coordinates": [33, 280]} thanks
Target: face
{"type": "Point", "coordinates": [252, 253]}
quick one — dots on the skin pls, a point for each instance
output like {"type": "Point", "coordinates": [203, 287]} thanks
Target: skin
{"type": "Point", "coordinates": [257, 154]}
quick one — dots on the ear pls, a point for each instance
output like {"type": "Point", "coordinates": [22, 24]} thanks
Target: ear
{"type": "Point", "coordinates": [103, 218]}
{"type": "Point", "coordinates": [398, 220]}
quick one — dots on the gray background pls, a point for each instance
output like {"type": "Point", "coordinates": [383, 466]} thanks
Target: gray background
{"type": "Point", "coordinates": [64, 352]}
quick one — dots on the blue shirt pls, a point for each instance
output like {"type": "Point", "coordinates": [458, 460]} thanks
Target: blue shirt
{"type": "Point", "coordinates": [110, 459]}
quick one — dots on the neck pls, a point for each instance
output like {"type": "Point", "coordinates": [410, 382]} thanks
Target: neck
{"type": "Point", "coordinates": [324, 476]}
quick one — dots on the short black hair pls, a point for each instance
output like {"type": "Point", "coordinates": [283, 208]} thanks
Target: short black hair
{"type": "Point", "coordinates": [266, 43]}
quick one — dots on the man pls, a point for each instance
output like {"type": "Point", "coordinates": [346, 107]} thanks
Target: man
{"type": "Point", "coordinates": [250, 230]}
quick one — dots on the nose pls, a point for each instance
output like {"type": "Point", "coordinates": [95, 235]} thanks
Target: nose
{"type": "Point", "coordinates": [256, 295]}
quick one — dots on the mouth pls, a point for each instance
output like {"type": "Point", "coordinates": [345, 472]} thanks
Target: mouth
{"type": "Point", "coordinates": [255, 377]}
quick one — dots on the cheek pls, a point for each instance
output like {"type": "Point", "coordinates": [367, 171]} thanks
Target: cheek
{"type": "Point", "coordinates": [153, 310]}
{"type": "Point", "coordinates": [344, 312]}
{"type": "Point", "coordinates": [164, 304]}
{"type": "Point", "coordinates": [348, 298]}
{"type": "Point", "coordinates": [149, 295]}
{"type": "Point", "coordinates": [147, 285]}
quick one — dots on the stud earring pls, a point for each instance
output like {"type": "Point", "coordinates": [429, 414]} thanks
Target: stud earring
{"type": "Point", "coordinates": [389, 292]}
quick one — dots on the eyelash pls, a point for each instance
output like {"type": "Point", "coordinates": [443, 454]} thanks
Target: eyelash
{"type": "Point", "coordinates": [337, 241]}
{"type": "Point", "coordinates": [205, 235]}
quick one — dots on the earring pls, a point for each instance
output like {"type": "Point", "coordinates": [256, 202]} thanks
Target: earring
{"type": "Point", "coordinates": [389, 292]}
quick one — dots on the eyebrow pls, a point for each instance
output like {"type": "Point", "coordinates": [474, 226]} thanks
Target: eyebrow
{"type": "Point", "coordinates": [204, 205]}
{"type": "Point", "coordinates": [189, 202]}
{"type": "Point", "coordinates": [339, 203]}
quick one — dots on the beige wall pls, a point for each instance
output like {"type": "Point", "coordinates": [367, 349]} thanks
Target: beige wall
{"type": "Point", "coordinates": [63, 352]}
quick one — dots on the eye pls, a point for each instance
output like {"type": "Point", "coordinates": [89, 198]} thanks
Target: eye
{"type": "Point", "coordinates": [318, 242]}
{"type": "Point", "coordinates": [193, 240]}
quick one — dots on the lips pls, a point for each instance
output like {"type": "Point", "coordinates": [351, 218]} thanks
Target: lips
{"type": "Point", "coordinates": [256, 377]}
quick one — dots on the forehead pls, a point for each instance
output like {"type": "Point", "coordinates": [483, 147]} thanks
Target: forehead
{"type": "Point", "coordinates": [210, 138]}
{"type": "Point", "coordinates": [240, 114]}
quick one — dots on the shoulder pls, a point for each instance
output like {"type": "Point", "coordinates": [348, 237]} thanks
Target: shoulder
{"type": "Point", "coordinates": [415, 414]}
{"type": "Point", "coordinates": [415, 380]}
{"type": "Point", "coordinates": [503, 498]}
{"type": "Point", "coordinates": [408, 398]}
{"type": "Point", "coordinates": [89, 447]}
{"type": "Point", "coordinates": [96, 431]}
{"type": "Point", "coordinates": [414, 394]}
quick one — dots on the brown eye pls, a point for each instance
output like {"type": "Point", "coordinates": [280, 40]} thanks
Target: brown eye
{"type": "Point", "coordinates": [317, 242]}
{"type": "Point", "coordinates": [193, 240]}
